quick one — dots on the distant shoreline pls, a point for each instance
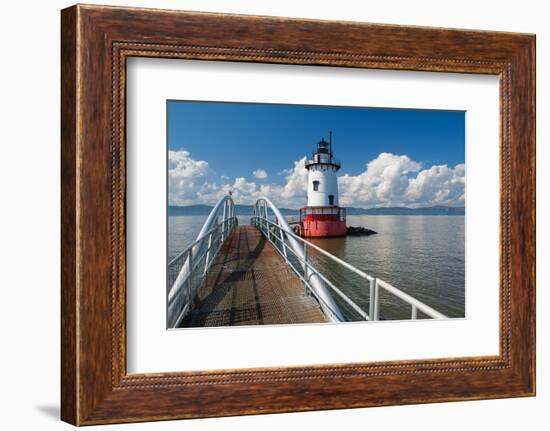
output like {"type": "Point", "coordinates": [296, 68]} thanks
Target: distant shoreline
{"type": "Point", "coordinates": [246, 210]}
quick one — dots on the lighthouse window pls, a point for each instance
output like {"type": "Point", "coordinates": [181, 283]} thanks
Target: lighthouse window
{"type": "Point", "coordinates": [331, 199]}
{"type": "Point", "coordinates": [315, 186]}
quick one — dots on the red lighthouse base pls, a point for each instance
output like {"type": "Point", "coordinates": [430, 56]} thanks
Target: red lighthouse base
{"type": "Point", "coordinates": [322, 222]}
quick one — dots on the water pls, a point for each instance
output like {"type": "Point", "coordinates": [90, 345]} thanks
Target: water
{"type": "Point", "coordinates": [421, 255]}
{"type": "Point", "coordinates": [183, 230]}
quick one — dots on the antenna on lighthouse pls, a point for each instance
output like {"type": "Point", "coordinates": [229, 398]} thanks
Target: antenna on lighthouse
{"type": "Point", "coordinates": [330, 143]}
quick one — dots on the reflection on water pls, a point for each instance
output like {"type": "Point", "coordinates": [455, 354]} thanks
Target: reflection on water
{"type": "Point", "coordinates": [335, 246]}
{"type": "Point", "coordinates": [421, 255]}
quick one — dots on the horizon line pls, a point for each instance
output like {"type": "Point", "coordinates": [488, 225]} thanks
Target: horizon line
{"type": "Point", "coordinates": [362, 208]}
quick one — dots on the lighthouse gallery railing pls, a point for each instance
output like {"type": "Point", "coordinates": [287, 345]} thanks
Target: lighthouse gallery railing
{"type": "Point", "coordinates": [304, 258]}
{"type": "Point", "coordinates": [186, 272]}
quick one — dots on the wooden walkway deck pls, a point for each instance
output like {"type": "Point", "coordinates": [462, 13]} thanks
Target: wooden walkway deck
{"type": "Point", "coordinates": [249, 283]}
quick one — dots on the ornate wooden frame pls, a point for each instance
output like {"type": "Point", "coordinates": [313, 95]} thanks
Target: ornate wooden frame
{"type": "Point", "coordinates": [95, 42]}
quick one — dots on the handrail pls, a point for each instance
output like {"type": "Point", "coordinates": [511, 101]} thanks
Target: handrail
{"type": "Point", "coordinates": [186, 271]}
{"type": "Point", "coordinates": [312, 271]}
{"type": "Point", "coordinates": [341, 294]}
{"type": "Point", "coordinates": [186, 249]}
{"type": "Point", "coordinates": [415, 303]}
{"type": "Point", "coordinates": [317, 285]}
{"type": "Point", "coordinates": [335, 258]}
{"type": "Point", "coordinates": [375, 284]}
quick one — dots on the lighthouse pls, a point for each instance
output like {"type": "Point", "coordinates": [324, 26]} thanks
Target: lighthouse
{"type": "Point", "coordinates": [322, 217]}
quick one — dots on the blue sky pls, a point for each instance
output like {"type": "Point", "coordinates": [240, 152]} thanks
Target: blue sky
{"type": "Point", "coordinates": [224, 144]}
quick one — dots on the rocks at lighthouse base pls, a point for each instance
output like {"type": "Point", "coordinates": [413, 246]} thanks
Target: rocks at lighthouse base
{"type": "Point", "coordinates": [359, 231]}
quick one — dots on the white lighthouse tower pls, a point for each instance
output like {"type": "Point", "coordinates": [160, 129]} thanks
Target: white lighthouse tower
{"type": "Point", "coordinates": [322, 217]}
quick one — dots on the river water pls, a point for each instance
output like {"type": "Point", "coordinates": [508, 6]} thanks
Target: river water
{"type": "Point", "coordinates": [421, 255]}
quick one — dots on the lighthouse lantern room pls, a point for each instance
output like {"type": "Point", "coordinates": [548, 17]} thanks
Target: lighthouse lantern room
{"type": "Point", "coordinates": [322, 217]}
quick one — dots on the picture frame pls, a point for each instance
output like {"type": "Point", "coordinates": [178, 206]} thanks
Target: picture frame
{"type": "Point", "coordinates": [96, 42]}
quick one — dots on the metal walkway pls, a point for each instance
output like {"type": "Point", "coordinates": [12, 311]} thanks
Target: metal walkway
{"type": "Point", "coordinates": [249, 283]}
{"type": "Point", "coordinates": [264, 273]}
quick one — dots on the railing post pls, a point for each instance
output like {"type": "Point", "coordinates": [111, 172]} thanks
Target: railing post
{"type": "Point", "coordinates": [372, 298]}
{"type": "Point", "coordinates": [376, 311]}
{"type": "Point", "coordinates": [305, 266]}
{"type": "Point", "coordinates": [208, 253]}
{"type": "Point", "coordinates": [283, 245]}
{"type": "Point", "coordinates": [190, 279]}
{"type": "Point", "coordinates": [414, 312]}
{"type": "Point", "coordinates": [261, 217]}
{"type": "Point", "coordinates": [266, 218]}
{"type": "Point", "coordinates": [223, 220]}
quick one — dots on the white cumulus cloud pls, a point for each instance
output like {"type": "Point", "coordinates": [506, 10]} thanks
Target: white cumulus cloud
{"type": "Point", "coordinates": [261, 174]}
{"type": "Point", "coordinates": [388, 180]}
{"type": "Point", "coordinates": [186, 177]}
{"type": "Point", "coordinates": [384, 181]}
{"type": "Point", "coordinates": [295, 189]}
{"type": "Point", "coordinates": [396, 180]}
{"type": "Point", "coordinates": [438, 185]}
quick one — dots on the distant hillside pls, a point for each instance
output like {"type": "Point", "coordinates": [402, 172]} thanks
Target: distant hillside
{"type": "Point", "coordinates": [246, 210]}
{"type": "Point", "coordinates": [190, 210]}
{"type": "Point", "coordinates": [437, 210]}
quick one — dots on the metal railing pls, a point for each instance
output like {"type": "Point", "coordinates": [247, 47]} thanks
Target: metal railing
{"type": "Point", "coordinates": [322, 158]}
{"type": "Point", "coordinates": [293, 252]}
{"type": "Point", "coordinates": [329, 211]}
{"type": "Point", "coordinates": [306, 259]}
{"type": "Point", "coordinates": [186, 272]}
